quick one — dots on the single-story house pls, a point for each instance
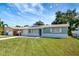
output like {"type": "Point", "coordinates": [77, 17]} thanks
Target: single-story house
{"type": "Point", "coordinates": [56, 31]}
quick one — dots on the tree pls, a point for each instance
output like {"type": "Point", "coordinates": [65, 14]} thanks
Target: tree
{"type": "Point", "coordinates": [70, 15]}
{"type": "Point", "coordinates": [18, 26]}
{"type": "Point", "coordinates": [60, 18]}
{"type": "Point", "coordinates": [67, 17]}
{"type": "Point", "coordinates": [38, 23]}
{"type": "Point", "coordinates": [26, 25]}
{"type": "Point", "coordinates": [76, 23]}
{"type": "Point", "coordinates": [2, 26]}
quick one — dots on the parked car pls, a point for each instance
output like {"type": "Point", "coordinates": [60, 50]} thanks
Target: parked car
{"type": "Point", "coordinates": [75, 33]}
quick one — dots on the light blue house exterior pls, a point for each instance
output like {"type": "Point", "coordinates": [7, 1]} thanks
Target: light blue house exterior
{"type": "Point", "coordinates": [56, 31]}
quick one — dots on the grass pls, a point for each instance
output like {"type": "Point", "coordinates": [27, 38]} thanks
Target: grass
{"type": "Point", "coordinates": [39, 47]}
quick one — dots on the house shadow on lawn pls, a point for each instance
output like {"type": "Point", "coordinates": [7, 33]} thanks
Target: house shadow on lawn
{"type": "Point", "coordinates": [77, 38]}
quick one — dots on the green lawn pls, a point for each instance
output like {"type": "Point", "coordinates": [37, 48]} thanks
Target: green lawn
{"type": "Point", "coordinates": [39, 47]}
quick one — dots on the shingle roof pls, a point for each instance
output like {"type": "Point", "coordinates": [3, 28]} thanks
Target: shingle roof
{"type": "Point", "coordinates": [45, 26]}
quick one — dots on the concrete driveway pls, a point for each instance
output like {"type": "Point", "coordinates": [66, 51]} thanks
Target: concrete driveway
{"type": "Point", "coordinates": [8, 38]}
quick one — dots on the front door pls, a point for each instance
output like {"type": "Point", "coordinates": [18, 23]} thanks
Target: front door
{"type": "Point", "coordinates": [40, 32]}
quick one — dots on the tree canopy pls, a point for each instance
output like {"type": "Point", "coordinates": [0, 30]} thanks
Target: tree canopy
{"type": "Point", "coordinates": [18, 26]}
{"type": "Point", "coordinates": [38, 23]}
{"type": "Point", "coordinates": [26, 25]}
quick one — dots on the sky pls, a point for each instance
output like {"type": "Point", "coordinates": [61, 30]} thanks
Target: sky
{"type": "Point", "coordinates": [28, 13]}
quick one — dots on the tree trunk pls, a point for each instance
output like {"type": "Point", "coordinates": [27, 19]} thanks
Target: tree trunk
{"type": "Point", "coordinates": [69, 31]}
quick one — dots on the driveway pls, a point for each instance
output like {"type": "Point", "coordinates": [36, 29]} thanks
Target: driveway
{"type": "Point", "coordinates": [8, 38]}
{"type": "Point", "coordinates": [17, 37]}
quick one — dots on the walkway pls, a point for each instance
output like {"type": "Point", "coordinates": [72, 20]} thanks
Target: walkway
{"type": "Point", "coordinates": [8, 38]}
{"type": "Point", "coordinates": [17, 37]}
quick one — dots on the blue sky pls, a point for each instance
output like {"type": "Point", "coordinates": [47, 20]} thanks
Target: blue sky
{"type": "Point", "coordinates": [28, 13]}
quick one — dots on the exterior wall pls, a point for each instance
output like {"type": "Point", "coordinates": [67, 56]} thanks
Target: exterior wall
{"type": "Point", "coordinates": [24, 32]}
{"type": "Point", "coordinates": [51, 33]}
{"type": "Point", "coordinates": [55, 35]}
{"type": "Point", "coordinates": [8, 31]}
{"type": "Point", "coordinates": [33, 34]}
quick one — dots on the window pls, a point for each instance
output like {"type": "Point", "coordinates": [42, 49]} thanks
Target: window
{"type": "Point", "coordinates": [56, 30]}
{"type": "Point", "coordinates": [32, 31]}
{"type": "Point", "coordinates": [46, 30]}
{"type": "Point", "coordinates": [29, 31]}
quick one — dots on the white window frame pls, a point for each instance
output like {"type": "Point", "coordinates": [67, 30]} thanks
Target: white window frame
{"type": "Point", "coordinates": [56, 30]}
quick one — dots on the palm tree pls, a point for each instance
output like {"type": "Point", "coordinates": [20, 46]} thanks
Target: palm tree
{"type": "Point", "coordinates": [2, 26]}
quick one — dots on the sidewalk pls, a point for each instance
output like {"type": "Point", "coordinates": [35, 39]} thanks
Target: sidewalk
{"type": "Point", "coordinates": [8, 38]}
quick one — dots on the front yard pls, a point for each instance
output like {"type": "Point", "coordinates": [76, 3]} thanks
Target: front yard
{"type": "Point", "coordinates": [39, 47]}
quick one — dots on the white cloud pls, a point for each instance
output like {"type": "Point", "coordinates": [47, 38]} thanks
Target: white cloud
{"type": "Point", "coordinates": [14, 20]}
{"type": "Point", "coordinates": [18, 7]}
{"type": "Point", "coordinates": [48, 18]}
{"type": "Point", "coordinates": [39, 5]}
{"type": "Point", "coordinates": [34, 4]}
{"type": "Point", "coordinates": [32, 10]}
{"type": "Point", "coordinates": [25, 8]}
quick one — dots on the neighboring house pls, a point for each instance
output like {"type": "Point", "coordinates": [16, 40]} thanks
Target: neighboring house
{"type": "Point", "coordinates": [76, 32]}
{"type": "Point", "coordinates": [56, 31]}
